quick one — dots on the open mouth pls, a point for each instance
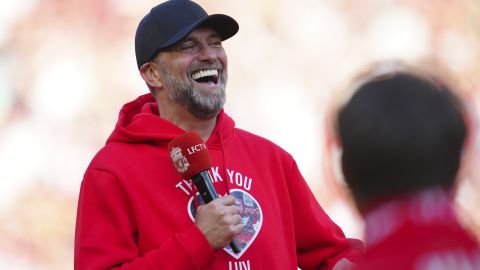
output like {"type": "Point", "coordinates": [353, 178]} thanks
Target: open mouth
{"type": "Point", "coordinates": [209, 76]}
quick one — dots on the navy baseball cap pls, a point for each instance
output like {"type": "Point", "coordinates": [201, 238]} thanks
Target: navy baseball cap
{"type": "Point", "coordinates": [171, 21]}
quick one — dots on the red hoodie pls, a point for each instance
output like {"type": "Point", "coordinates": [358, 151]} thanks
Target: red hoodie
{"type": "Point", "coordinates": [419, 231]}
{"type": "Point", "coordinates": [136, 212]}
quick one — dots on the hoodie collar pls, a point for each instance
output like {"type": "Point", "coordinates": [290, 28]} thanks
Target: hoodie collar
{"type": "Point", "coordinates": [139, 121]}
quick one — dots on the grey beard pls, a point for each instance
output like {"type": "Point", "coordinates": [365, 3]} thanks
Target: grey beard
{"type": "Point", "coordinates": [200, 104]}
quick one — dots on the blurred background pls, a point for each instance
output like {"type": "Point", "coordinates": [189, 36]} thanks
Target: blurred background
{"type": "Point", "coordinates": [66, 68]}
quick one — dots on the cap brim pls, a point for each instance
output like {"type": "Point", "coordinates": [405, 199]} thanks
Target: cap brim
{"type": "Point", "coordinates": [224, 25]}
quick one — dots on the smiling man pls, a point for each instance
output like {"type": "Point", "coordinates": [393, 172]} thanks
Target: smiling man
{"type": "Point", "coordinates": [136, 212]}
{"type": "Point", "coordinates": [193, 74]}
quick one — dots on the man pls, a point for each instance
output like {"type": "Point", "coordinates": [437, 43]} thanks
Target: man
{"type": "Point", "coordinates": [402, 134]}
{"type": "Point", "coordinates": [136, 212]}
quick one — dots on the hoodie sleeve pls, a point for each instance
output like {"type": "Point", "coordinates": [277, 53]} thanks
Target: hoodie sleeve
{"type": "Point", "coordinates": [105, 236]}
{"type": "Point", "coordinates": [320, 242]}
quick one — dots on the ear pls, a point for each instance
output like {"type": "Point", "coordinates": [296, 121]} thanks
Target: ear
{"type": "Point", "coordinates": [151, 75]}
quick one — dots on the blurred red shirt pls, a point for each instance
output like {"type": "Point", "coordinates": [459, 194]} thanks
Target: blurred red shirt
{"type": "Point", "coordinates": [419, 231]}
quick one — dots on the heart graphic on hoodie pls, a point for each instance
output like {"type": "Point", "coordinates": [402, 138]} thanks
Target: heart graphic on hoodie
{"type": "Point", "coordinates": [252, 219]}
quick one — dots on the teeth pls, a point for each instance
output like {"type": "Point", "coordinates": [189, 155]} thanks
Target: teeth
{"type": "Point", "coordinates": [204, 73]}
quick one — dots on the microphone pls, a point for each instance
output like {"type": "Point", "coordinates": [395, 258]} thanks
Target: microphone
{"type": "Point", "coordinates": [192, 161]}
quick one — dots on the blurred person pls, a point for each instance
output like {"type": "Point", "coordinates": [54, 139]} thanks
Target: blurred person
{"type": "Point", "coordinates": [402, 135]}
{"type": "Point", "coordinates": [136, 212]}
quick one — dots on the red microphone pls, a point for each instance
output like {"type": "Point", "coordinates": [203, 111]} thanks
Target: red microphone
{"type": "Point", "coordinates": [190, 157]}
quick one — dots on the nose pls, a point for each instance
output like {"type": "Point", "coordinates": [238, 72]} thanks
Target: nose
{"type": "Point", "coordinates": [207, 54]}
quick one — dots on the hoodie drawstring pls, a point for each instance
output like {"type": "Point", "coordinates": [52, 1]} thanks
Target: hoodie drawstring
{"type": "Point", "coordinates": [224, 162]}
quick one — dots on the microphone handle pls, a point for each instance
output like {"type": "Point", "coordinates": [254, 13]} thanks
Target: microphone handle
{"type": "Point", "coordinates": [203, 182]}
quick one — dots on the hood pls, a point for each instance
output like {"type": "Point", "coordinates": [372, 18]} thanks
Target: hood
{"type": "Point", "coordinates": [139, 122]}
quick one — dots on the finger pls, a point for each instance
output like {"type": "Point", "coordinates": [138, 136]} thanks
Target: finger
{"type": "Point", "coordinates": [225, 200]}
{"type": "Point", "coordinates": [228, 200]}
{"type": "Point", "coordinates": [236, 219]}
{"type": "Point", "coordinates": [233, 219]}
{"type": "Point", "coordinates": [236, 229]}
{"type": "Point", "coordinates": [232, 210]}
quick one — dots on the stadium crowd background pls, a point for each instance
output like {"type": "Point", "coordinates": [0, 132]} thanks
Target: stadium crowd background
{"type": "Point", "coordinates": [66, 67]}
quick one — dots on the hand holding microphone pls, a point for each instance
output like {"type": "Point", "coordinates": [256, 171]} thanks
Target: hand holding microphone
{"type": "Point", "coordinates": [218, 219]}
